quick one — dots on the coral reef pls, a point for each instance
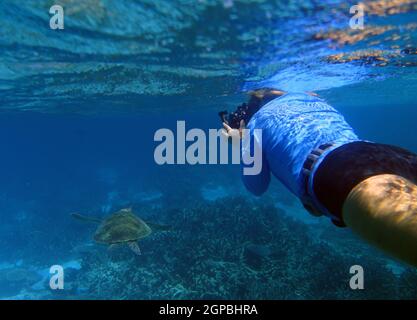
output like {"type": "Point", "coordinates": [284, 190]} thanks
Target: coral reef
{"type": "Point", "coordinates": [14, 278]}
{"type": "Point", "coordinates": [234, 248]}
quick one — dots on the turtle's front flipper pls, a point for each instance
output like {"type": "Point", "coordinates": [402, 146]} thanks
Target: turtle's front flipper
{"type": "Point", "coordinates": [85, 218]}
{"type": "Point", "coordinates": [134, 246]}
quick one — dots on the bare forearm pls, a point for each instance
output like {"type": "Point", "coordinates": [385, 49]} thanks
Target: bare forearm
{"type": "Point", "coordinates": [383, 210]}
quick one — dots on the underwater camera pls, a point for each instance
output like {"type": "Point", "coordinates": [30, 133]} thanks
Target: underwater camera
{"type": "Point", "coordinates": [223, 116]}
{"type": "Point", "coordinates": [233, 119]}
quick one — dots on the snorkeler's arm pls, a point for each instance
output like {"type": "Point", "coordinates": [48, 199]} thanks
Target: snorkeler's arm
{"type": "Point", "coordinates": [229, 132]}
{"type": "Point", "coordinates": [383, 210]}
{"type": "Point", "coordinates": [258, 184]}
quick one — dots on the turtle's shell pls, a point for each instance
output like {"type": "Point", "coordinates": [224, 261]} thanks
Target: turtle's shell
{"type": "Point", "coordinates": [122, 226]}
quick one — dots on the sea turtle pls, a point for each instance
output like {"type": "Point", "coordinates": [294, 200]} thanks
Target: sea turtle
{"type": "Point", "coordinates": [122, 227]}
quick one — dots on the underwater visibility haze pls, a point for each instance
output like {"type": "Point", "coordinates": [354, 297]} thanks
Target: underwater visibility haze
{"type": "Point", "coordinates": [79, 108]}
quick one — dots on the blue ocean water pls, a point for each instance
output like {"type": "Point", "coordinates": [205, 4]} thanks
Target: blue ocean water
{"type": "Point", "coordinates": [79, 108]}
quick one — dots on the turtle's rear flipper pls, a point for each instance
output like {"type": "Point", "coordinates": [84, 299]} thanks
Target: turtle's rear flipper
{"type": "Point", "coordinates": [85, 218]}
{"type": "Point", "coordinates": [134, 246]}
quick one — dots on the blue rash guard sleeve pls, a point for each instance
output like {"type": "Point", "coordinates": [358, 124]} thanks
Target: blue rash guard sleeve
{"type": "Point", "coordinates": [258, 184]}
{"type": "Point", "coordinates": [292, 126]}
